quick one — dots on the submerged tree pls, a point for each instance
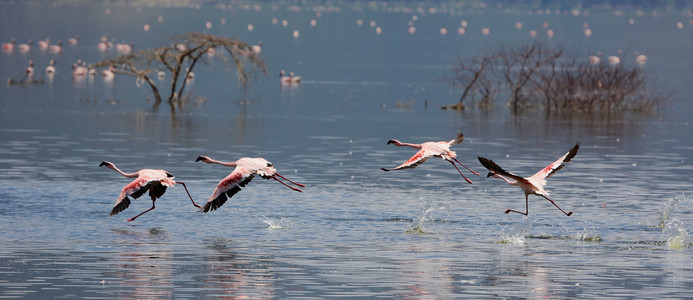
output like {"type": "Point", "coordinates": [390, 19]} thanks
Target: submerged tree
{"type": "Point", "coordinates": [180, 58]}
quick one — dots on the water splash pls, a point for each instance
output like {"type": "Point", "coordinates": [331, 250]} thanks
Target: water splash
{"type": "Point", "coordinates": [677, 236]}
{"type": "Point", "coordinates": [425, 216]}
{"type": "Point", "coordinates": [276, 222]}
{"type": "Point", "coordinates": [668, 208]}
{"type": "Point", "coordinates": [587, 235]}
{"type": "Point", "coordinates": [515, 234]}
{"type": "Point", "coordinates": [673, 229]}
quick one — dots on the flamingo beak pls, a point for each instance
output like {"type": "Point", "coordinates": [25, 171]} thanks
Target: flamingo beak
{"type": "Point", "coordinates": [199, 158]}
{"type": "Point", "coordinates": [390, 142]}
{"type": "Point", "coordinates": [104, 163]}
{"type": "Point", "coordinates": [490, 174]}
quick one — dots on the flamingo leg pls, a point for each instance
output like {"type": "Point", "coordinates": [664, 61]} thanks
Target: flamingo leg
{"type": "Point", "coordinates": [291, 187]}
{"type": "Point", "coordinates": [526, 207]}
{"type": "Point", "coordinates": [186, 190]}
{"type": "Point", "coordinates": [470, 170]}
{"type": "Point", "coordinates": [296, 183]}
{"type": "Point", "coordinates": [458, 170]}
{"type": "Point", "coordinates": [554, 203]}
{"type": "Point", "coordinates": [144, 212]}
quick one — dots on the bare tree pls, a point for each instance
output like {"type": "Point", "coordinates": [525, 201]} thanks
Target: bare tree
{"type": "Point", "coordinates": [180, 58]}
{"type": "Point", "coordinates": [472, 77]}
{"type": "Point", "coordinates": [535, 73]}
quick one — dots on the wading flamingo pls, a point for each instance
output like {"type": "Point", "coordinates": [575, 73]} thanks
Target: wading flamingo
{"type": "Point", "coordinates": [245, 169]}
{"type": "Point", "coordinates": [534, 184]}
{"type": "Point", "coordinates": [154, 181]}
{"type": "Point", "coordinates": [431, 149]}
{"type": "Point", "coordinates": [50, 69]}
{"type": "Point", "coordinates": [9, 47]}
{"type": "Point", "coordinates": [30, 69]}
{"type": "Point", "coordinates": [283, 79]}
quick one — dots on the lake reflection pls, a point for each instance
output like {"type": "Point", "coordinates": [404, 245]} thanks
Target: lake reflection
{"type": "Point", "coordinates": [355, 230]}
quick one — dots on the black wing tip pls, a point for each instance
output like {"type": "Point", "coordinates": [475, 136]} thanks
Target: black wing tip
{"type": "Point", "coordinates": [573, 151]}
{"type": "Point", "coordinates": [484, 161]}
{"type": "Point", "coordinates": [125, 203]}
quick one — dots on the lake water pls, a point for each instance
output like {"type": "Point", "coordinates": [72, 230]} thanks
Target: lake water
{"type": "Point", "coordinates": [355, 230]}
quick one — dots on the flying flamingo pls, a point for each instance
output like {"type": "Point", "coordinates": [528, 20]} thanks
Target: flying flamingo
{"type": "Point", "coordinates": [154, 181]}
{"type": "Point", "coordinates": [534, 184]}
{"type": "Point", "coordinates": [431, 149]}
{"type": "Point", "coordinates": [245, 169]}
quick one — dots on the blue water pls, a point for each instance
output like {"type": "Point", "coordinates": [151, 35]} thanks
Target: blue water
{"type": "Point", "coordinates": [355, 230]}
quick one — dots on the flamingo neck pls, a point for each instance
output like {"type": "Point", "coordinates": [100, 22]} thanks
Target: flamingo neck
{"type": "Point", "coordinates": [231, 164]}
{"type": "Point", "coordinates": [128, 175]}
{"type": "Point", "coordinates": [508, 181]}
{"type": "Point", "coordinates": [398, 143]}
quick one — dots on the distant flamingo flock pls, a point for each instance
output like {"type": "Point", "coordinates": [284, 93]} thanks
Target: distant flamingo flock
{"type": "Point", "coordinates": [156, 181]}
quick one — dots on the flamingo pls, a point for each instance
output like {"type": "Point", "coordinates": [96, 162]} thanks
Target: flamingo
{"type": "Point", "coordinates": [614, 60]}
{"type": "Point", "coordinates": [9, 47]}
{"type": "Point", "coordinates": [78, 69]}
{"type": "Point", "coordinates": [44, 44]}
{"type": "Point", "coordinates": [30, 68]}
{"type": "Point", "coordinates": [73, 41]}
{"type": "Point", "coordinates": [431, 149]}
{"type": "Point", "coordinates": [109, 74]}
{"type": "Point", "coordinates": [56, 48]}
{"type": "Point", "coordinates": [154, 181]}
{"type": "Point", "coordinates": [641, 59]}
{"type": "Point", "coordinates": [283, 79]}
{"type": "Point", "coordinates": [294, 79]}
{"type": "Point", "coordinates": [257, 48]}
{"type": "Point", "coordinates": [104, 44]}
{"type": "Point", "coordinates": [25, 47]}
{"type": "Point", "coordinates": [534, 184]}
{"type": "Point", "coordinates": [245, 169]}
{"type": "Point", "coordinates": [124, 48]}
{"type": "Point", "coordinates": [50, 69]}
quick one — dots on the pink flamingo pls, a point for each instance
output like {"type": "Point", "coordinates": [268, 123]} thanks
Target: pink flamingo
{"type": "Point", "coordinates": [50, 69]}
{"type": "Point", "coordinates": [30, 68]}
{"type": "Point", "coordinates": [431, 149]}
{"type": "Point", "coordinates": [283, 79]}
{"type": "Point", "coordinates": [534, 184]}
{"type": "Point", "coordinates": [25, 47]}
{"type": "Point", "coordinates": [154, 181]}
{"type": "Point", "coordinates": [43, 44]}
{"type": "Point", "coordinates": [56, 48]}
{"type": "Point", "coordinates": [9, 47]}
{"type": "Point", "coordinates": [245, 169]}
{"type": "Point", "coordinates": [78, 69]}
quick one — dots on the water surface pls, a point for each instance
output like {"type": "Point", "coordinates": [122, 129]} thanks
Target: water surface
{"type": "Point", "coordinates": [355, 230]}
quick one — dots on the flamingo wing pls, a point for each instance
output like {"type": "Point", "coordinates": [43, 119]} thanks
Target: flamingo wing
{"type": "Point", "coordinates": [556, 165]}
{"type": "Point", "coordinates": [458, 140]}
{"type": "Point", "coordinates": [493, 167]}
{"type": "Point", "coordinates": [135, 189]}
{"type": "Point", "coordinates": [154, 181]}
{"type": "Point", "coordinates": [228, 187]}
{"type": "Point", "coordinates": [418, 158]}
